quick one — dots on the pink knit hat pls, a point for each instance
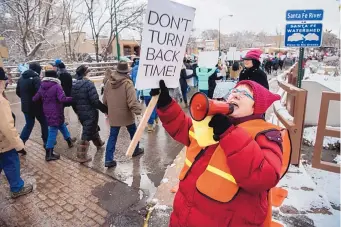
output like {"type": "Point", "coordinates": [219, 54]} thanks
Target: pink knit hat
{"type": "Point", "coordinates": [263, 97]}
{"type": "Point", "coordinates": [253, 54]}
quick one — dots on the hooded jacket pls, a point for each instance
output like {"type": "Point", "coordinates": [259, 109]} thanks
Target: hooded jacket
{"type": "Point", "coordinates": [53, 97]}
{"type": "Point", "coordinates": [120, 97]}
{"type": "Point", "coordinates": [9, 137]}
{"type": "Point", "coordinates": [28, 85]}
{"type": "Point", "coordinates": [86, 104]}
{"type": "Point", "coordinates": [255, 74]}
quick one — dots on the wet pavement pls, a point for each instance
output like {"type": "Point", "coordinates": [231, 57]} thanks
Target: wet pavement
{"type": "Point", "coordinates": [65, 194]}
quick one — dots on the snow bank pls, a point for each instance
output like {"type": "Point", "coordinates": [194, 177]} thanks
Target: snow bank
{"type": "Point", "coordinates": [309, 137]}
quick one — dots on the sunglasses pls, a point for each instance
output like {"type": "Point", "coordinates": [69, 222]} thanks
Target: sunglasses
{"type": "Point", "coordinates": [241, 93]}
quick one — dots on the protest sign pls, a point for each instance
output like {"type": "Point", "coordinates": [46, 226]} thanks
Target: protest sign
{"type": "Point", "coordinates": [208, 59]}
{"type": "Point", "coordinates": [223, 88]}
{"type": "Point", "coordinates": [164, 40]}
{"type": "Point", "coordinates": [165, 34]}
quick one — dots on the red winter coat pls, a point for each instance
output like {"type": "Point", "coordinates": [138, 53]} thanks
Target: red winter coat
{"type": "Point", "coordinates": [255, 165]}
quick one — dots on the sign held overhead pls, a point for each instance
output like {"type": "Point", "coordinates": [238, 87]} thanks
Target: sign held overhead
{"type": "Point", "coordinates": [165, 35]}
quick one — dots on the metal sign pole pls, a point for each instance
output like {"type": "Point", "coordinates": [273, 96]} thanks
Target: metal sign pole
{"type": "Point", "coordinates": [300, 68]}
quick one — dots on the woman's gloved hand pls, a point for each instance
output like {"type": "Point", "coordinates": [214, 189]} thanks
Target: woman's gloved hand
{"type": "Point", "coordinates": [220, 123]}
{"type": "Point", "coordinates": [164, 98]}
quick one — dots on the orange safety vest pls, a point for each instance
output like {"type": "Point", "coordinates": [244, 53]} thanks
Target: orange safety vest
{"type": "Point", "coordinates": [216, 181]}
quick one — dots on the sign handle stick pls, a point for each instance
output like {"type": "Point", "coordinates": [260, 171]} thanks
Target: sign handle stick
{"type": "Point", "coordinates": [142, 126]}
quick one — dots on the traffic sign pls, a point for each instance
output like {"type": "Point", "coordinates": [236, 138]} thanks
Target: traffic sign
{"type": "Point", "coordinates": [304, 15]}
{"type": "Point", "coordinates": [303, 35]}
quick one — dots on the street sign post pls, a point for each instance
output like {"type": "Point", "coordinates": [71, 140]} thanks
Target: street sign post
{"type": "Point", "coordinates": [304, 34]}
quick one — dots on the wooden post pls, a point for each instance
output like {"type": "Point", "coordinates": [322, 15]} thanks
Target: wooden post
{"type": "Point", "coordinates": [142, 126]}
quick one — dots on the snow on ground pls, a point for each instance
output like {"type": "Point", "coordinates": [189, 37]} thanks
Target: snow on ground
{"type": "Point", "coordinates": [309, 137]}
{"type": "Point", "coordinates": [326, 182]}
{"type": "Point", "coordinates": [302, 200]}
{"type": "Point", "coordinates": [311, 192]}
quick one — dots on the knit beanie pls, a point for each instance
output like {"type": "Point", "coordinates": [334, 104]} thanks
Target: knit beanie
{"type": "Point", "coordinates": [51, 73]}
{"type": "Point", "coordinates": [263, 97]}
{"type": "Point", "coordinates": [61, 65]}
{"type": "Point", "coordinates": [35, 67]}
{"type": "Point", "coordinates": [253, 55]}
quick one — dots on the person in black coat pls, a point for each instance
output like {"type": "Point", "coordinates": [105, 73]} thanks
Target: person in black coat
{"type": "Point", "coordinates": [65, 78]}
{"type": "Point", "coordinates": [252, 70]}
{"type": "Point", "coordinates": [86, 104]}
{"type": "Point", "coordinates": [212, 82]}
{"type": "Point", "coordinates": [27, 86]}
{"type": "Point", "coordinates": [183, 82]}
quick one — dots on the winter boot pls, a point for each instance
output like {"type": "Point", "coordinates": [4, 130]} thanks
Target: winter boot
{"type": "Point", "coordinates": [82, 152]}
{"type": "Point", "coordinates": [50, 156]}
{"type": "Point", "coordinates": [25, 190]}
{"type": "Point", "coordinates": [70, 141]}
{"type": "Point", "coordinates": [98, 143]}
{"type": "Point", "coordinates": [138, 152]}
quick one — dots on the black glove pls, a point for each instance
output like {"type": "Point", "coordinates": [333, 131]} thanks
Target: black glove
{"type": "Point", "coordinates": [22, 152]}
{"type": "Point", "coordinates": [220, 123]}
{"type": "Point", "coordinates": [164, 98]}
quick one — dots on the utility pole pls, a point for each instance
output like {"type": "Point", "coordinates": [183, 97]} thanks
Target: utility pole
{"type": "Point", "coordinates": [117, 43]}
{"type": "Point", "coordinates": [219, 37]}
{"type": "Point", "coordinates": [300, 68]}
{"type": "Point", "coordinates": [230, 15]}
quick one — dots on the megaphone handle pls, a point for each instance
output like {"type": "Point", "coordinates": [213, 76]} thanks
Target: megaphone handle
{"type": "Point", "coordinates": [142, 126]}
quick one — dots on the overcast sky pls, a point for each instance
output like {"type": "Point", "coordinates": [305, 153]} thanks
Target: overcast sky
{"type": "Point", "coordinates": [257, 15]}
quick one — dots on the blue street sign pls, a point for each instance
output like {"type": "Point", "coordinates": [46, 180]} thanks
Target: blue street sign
{"type": "Point", "coordinates": [303, 35]}
{"type": "Point", "coordinates": [304, 15]}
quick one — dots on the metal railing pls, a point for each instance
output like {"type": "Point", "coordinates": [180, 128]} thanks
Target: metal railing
{"type": "Point", "coordinates": [96, 69]}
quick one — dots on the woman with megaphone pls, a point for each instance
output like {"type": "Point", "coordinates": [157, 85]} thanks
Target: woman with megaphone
{"type": "Point", "coordinates": [233, 158]}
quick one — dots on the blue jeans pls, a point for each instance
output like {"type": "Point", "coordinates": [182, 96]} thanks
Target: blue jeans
{"type": "Point", "coordinates": [204, 91]}
{"type": "Point", "coordinates": [53, 131]}
{"type": "Point", "coordinates": [30, 120]}
{"type": "Point", "coordinates": [111, 145]}
{"type": "Point", "coordinates": [9, 162]}
{"type": "Point", "coordinates": [153, 116]}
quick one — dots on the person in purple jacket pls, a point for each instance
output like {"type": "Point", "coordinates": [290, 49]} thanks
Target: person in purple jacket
{"type": "Point", "coordinates": [53, 97]}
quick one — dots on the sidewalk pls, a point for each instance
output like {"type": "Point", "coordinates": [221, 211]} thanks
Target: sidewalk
{"type": "Point", "coordinates": [66, 194]}
{"type": "Point", "coordinates": [306, 205]}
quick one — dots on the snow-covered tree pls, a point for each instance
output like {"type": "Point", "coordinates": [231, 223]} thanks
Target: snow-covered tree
{"type": "Point", "coordinates": [27, 23]}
